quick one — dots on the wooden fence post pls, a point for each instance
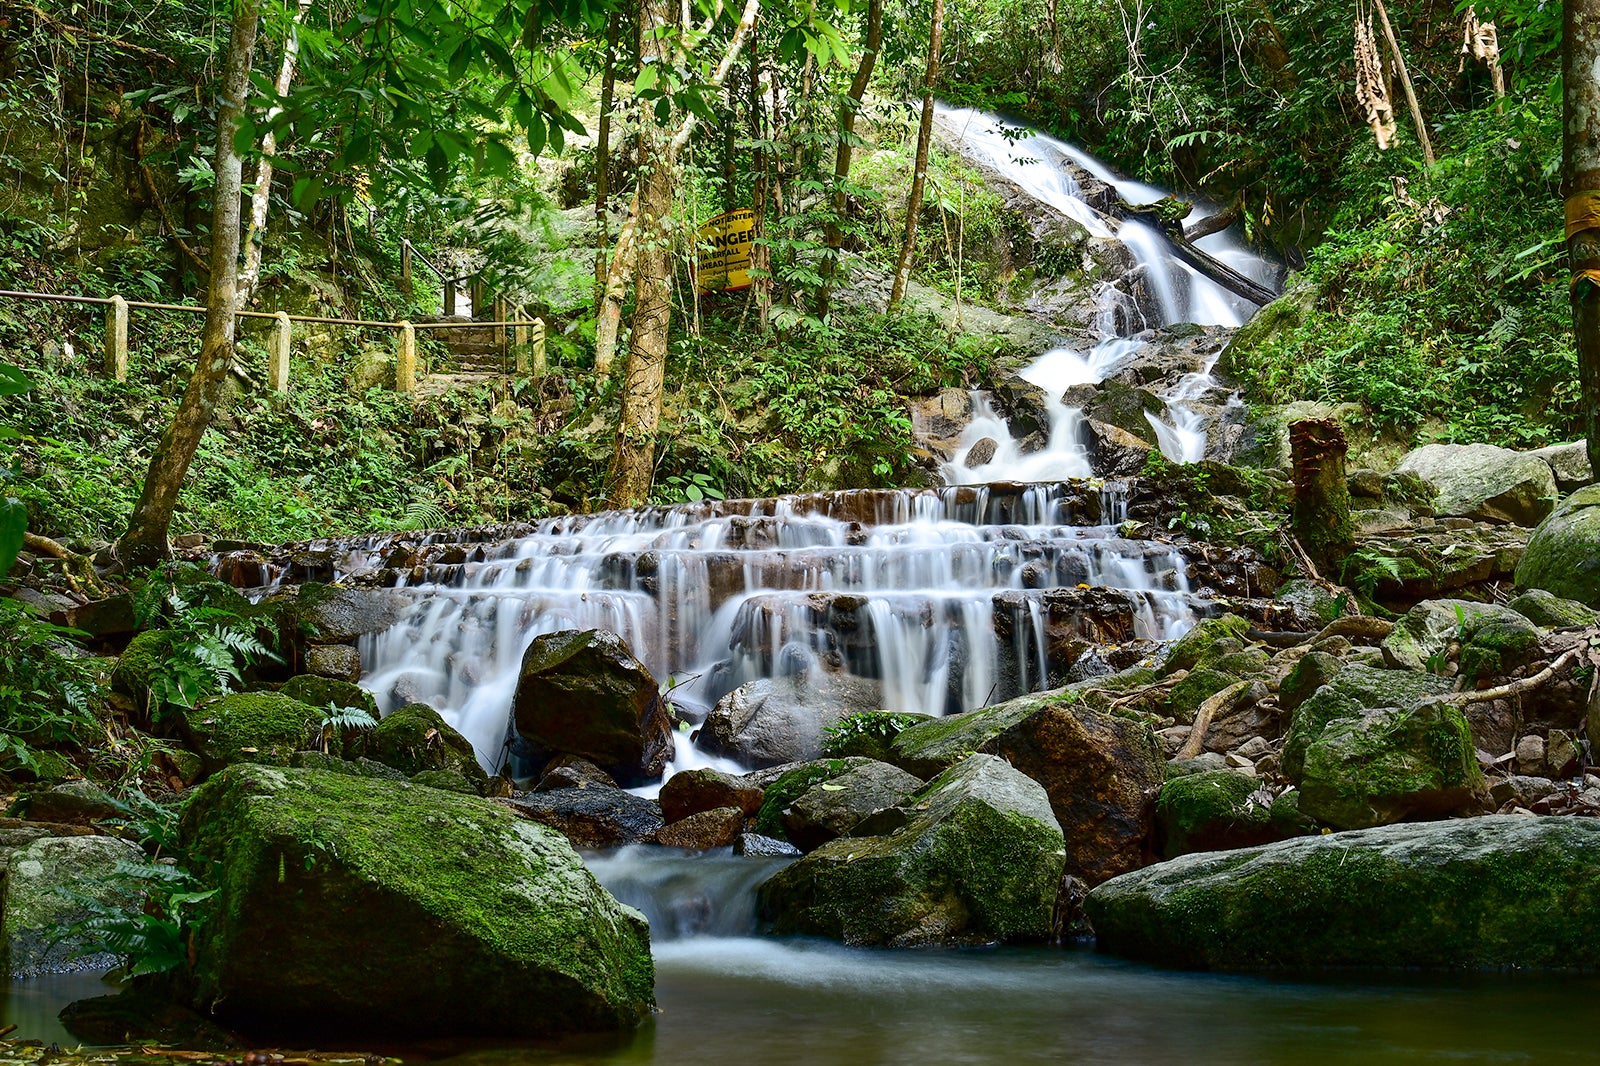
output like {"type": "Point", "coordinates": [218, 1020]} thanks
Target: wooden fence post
{"type": "Point", "coordinates": [449, 297]}
{"type": "Point", "coordinates": [538, 347]}
{"type": "Point", "coordinates": [500, 337]}
{"type": "Point", "coordinates": [405, 359]}
{"type": "Point", "coordinates": [117, 339]}
{"type": "Point", "coordinates": [519, 334]}
{"type": "Point", "coordinates": [278, 353]}
{"type": "Point", "coordinates": [405, 265]}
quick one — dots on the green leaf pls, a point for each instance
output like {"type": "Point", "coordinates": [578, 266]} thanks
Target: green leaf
{"type": "Point", "coordinates": [13, 381]}
{"type": "Point", "coordinates": [646, 79]}
{"type": "Point", "coordinates": [13, 524]}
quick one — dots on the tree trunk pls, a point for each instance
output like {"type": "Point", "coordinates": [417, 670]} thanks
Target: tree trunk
{"type": "Point", "coordinates": [1405, 83]}
{"type": "Point", "coordinates": [760, 266]}
{"type": "Point", "coordinates": [919, 178]}
{"type": "Point", "coordinates": [1321, 517]}
{"type": "Point", "coordinates": [618, 274]}
{"type": "Point", "coordinates": [145, 542]}
{"type": "Point", "coordinates": [260, 198]}
{"type": "Point", "coordinates": [1581, 75]}
{"type": "Point", "coordinates": [602, 155]}
{"type": "Point", "coordinates": [633, 462]}
{"type": "Point", "coordinates": [841, 159]}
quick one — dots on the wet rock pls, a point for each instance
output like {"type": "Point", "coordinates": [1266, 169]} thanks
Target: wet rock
{"type": "Point", "coordinates": [1483, 482]}
{"type": "Point", "coordinates": [1545, 609]}
{"type": "Point", "coordinates": [415, 738]}
{"type": "Point", "coordinates": [594, 817]}
{"type": "Point", "coordinates": [143, 1016]}
{"type": "Point", "coordinates": [1563, 555]}
{"type": "Point", "coordinates": [980, 454]}
{"type": "Point", "coordinates": [469, 921]}
{"type": "Point", "coordinates": [1025, 406]}
{"type": "Point", "coordinates": [834, 807]}
{"type": "Point", "coordinates": [978, 860]}
{"type": "Point", "coordinates": [1314, 670]}
{"type": "Point", "coordinates": [1390, 764]}
{"type": "Point", "coordinates": [37, 910]}
{"type": "Point", "coordinates": [1479, 893]}
{"type": "Point", "coordinates": [693, 791]}
{"type": "Point", "coordinates": [342, 662]}
{"type": "Point", "coordinates": [258, 727]}
{"type": "Point", "coordinates": [1113, 451]}
{"type": "Point", "coordinates": [569, 771]}
{"type": "Point", "coordinates": [1202, 640]}
{"type": "Point", "coordinates": [1112, 403]}
{"type": "Point", "coordinates": [583, 693]}
{"type": "Point", "coordinates": [1354, 690]}
{"type": "Point", "coordinates": [69, 803]}
{"type": "Point", "coordinates": [1100, 771]}
{"type": "Point", "coordinates": [336, 614]}
{"type": "Point", "coordinates": [323, 692]}
{"type": "Point", "coordinates": [779, 720]}
{"type": "Point", "coordinates": [1421, 639]}
{"type": "Point", "coordinates": [1216, 810]}
{"type": "Point", "coordinates": [1568, 462]}
{"type": "Point", "coordinates": [717, 828]}
{"type": "Point", "coordinates": [756, 846]}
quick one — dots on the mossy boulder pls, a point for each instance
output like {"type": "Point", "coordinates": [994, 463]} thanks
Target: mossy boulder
{"type": "Point", "coordinates": [1389, 764]}
{"type": "Point", "coordinates": [1497, 647]}
{"type": "Point", "coordinates": [1187, 695]}
{"type": "Point", "coordinates": [258, 727]}
{"type": "Point", "coordinates": [415, 738]}
{"type": "Point", "coordinates": [1484, 482]}
{"type": "Point", "coordinates": [978, 860]}
{"type": "Point", "coordinates": [1100, 770]}
{"type": "Point", "coordinates": [794, 782]}
{"type": "Point", "coordinates": [1313, 671]}
{"type": "Point", "coordinates": [869, 734]}
{"type": "Point", "coordinates": [1422, 638]}
{"type": "Point", "coordinates": [333, 764]}
{"type": "Point", "coordinates": [322, 691]}
{"type": "Point", "coordinates": [1563, 555]}
{"type": "Point", "coordinates": [1353, 690]}
{"type": "Point", "coordinates": [139, 663]}
{"type": "Point", "coordinates": [1214, 810]}
{"type": "Point", "coordinates": [1547, 609]}
{"type": "Point", "coordinates": [363, 907]}
{"type": "Point", "coordinates": [448, 781]}
{"type": "Point", "coordinates": [37, 910]}
{"type": "Point", "coordinates": [582, 692]}
{"type": "Point", "coordinates": [335, 614]}
{"type": "Point", "coordinates": [832, 808]}
{"type": "Point", "coordinates": [1199, 641]}
{"type": "Point", "coordinates": [1480, 893]}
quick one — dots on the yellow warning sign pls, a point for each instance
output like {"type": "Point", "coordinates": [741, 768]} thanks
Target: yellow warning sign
{"type": "Point", "coordinates": [723, 264]}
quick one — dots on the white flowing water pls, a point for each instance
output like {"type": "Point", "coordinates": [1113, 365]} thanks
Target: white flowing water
{"type": "Point", "coordinates": [935, 600]}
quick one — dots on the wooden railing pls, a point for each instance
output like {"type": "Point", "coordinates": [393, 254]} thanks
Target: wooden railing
{"type": "Point", "coordinates": [528, 335]}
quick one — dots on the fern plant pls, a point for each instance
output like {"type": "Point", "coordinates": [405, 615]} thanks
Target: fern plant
{"type": "Point", "coordinates": [211, 645]}
{"type": "Point", "coordinates": [336, 721]}
{"type": "Point", "coordinates": [154, 932]}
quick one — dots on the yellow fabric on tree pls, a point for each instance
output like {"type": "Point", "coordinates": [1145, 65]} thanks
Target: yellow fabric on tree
{"type": "Point", "coordinates": [1583, 212]}
{"type": "Point", "coordinates": [1590, 276]}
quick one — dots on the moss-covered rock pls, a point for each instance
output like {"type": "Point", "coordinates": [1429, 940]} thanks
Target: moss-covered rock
{"type": "Point", "coordinates": [832, 808]}
{"type": "Point", "coordinates": [793, 783]}
{"type": "Point", "coordinates": [414, 738]}
{"type": "Point", "coordinates": [333, 764]}
{"type": "Point", "coordinates": [1215, 810]}
{"type": "Point", "coordinates": [1314, 670]}
{"type": "Point", "coordinates": [1390, 764]}
{"type": "Point", "coordinates": [323, 691]}
{"type": "Point", "coordinates": [1563, 555]}
{"type": "Point", "coordinates": [369, 907]}
{"type": "Point", "coordinates": [1547, 609]}
{"type": "Point", "coordinates": [37, 910]}
{"type": "Point", "coordinates": [1421, 639]}
{"type": "Point", "coordinates": [258, 727]}
{"type": "Point", "coordinates": [869, 734]}
{"type": "Point", "coordinates": [979, 860]}
{"type": "Point", "coordinates": [1497, 647]}
{"type": "Point", "coordinates": [1198, 642]}
{"type": "Point", "coordinates": [1354, 689]}
{"type": "Point", "coordinates": [138, 663]}
{"type": "Point", "coordinates": [1187, 695]}
{"type": "Point", "coordinates": [335, 614]}
{"type": "Point", "coordinates": [1495, 892]}
{"type": "Point", "coordinates": [448, 781]}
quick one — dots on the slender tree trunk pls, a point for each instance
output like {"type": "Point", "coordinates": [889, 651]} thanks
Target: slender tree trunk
{"type": "Point", "coordinates": [1581, 77]}
{"type": "Point", "coordinates": [760, 267]}
{"type": "Point", "coordinates": [260, 198]}
{"type": "Point", "coordinates": [1405, 83]}
{"type": "Point", "coordinates": [841, 158]}
{"type": "Point", "coordinates": [633, 462]}
{"type": "Point", "coordinates": [618, 274]}
{"type": "Point", "coordinates": [145, 542]}
{"type": "Point", "coordinates": [919, 177]}
{"type": "Point", "coordinates": [602, 155]}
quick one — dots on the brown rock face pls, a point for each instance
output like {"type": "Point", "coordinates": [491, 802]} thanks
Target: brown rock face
{"type": "Point", "coordinates": [716, 828]}
{"type": "Point", "coordinates": [1102, 774]}
{"type": "Point", "coordinates": [695, 791]}
{"type": "Point", "coordinates": [583, 693]}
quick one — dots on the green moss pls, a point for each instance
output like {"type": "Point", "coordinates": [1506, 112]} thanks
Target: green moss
{"type": "Point", "coordinates": [1188, 694]}
{"type": "Point", "coordinates": [932, 747]}
{"type": "Point", "coordinates": [258, 727]}
{"type": "Point", "coordinates": [1187, 652]}
{"type": "Point", "coordinates": [372, 905]}
{"type": "Point", "coordinates": [447, 781]}
{"type": "Point", "coordinates": [1353, 689]}
{"type": "Point", "coordinates": [415, 738]}
{"type": "Point", "coordinates": [1210, 811]}
{"type": "Point", "coordinates": [868, 734]}
{"type": "Point", "coordinates": [322, 691]}
{"type": "Point", "coordinates": [138, 664]}
{"type": "Point", "coordinates": [1497, 648]}
{"type": "Point", "coordinates": [790, 786]}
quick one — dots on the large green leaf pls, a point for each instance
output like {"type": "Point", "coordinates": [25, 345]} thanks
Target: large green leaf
{"type": "Point", "coordinates": [13, 524]}
{"type": "Point", "coordinates": [13, 380]}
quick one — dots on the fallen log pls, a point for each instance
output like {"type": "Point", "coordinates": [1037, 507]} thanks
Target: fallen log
{"type": "Point", "coordinates": [1166, 217]}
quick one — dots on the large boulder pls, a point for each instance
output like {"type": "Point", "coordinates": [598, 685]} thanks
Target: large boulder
{"type": "Point", "coordinates": [1563, 554]}
{"type": "Point", "coordinates": [1218, 810]}
{"type": "Point", "coordinates": [368, 907]}
{"type": "Point", "coordinates": [1420, 640]}
{"type": "Point", "coordinates": [592, 817]}
{"type": "Point", "coordinates": [415, 739]}
{"type": "Point", "coordinates": [323, 692]}
{"type": "Point", "coordinates": [1389, 764]}
{"type": "Point", "coordinates": [1568, 462]}
{"type": "Point", "coordinates": [581, 692]}
{"type": "Point", "coordinates": [38, 909]}
{"type": "Point", "coordinates": [1101, 771]}
{"type": "Point", "coordinates": [831, 809]}
{"type": "Point", "coordinates": [1484, 482]}
{"type": "Point", "coordinates": [258, 727]}
{"type": "Point", "coordinates": [691, 792]}
{"type": "Point", "coordinates": [1490, 893]}
{"type": "Point", "coordinates": [335, 614]}
{"type": "Point", "coordinates": [773, 721]}
{"type": "Point", "coordinates": [977, 859]}
{"type": "Point", "coordinates": [1351, 692]}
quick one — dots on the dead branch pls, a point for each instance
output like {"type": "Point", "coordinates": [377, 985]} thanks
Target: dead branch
{"type": "Point", "coordinates": [1512, 688]}
{"type": "Point", "coordinates": [1358, 629]}
{"type": "Point", "coordinates": [1224, 700]}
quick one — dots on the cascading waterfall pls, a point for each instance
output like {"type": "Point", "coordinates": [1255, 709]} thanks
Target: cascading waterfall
{"type": "Point", "coordinates": [935, 600]}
